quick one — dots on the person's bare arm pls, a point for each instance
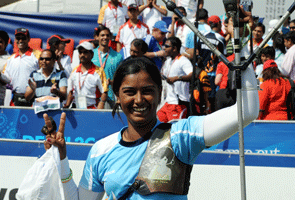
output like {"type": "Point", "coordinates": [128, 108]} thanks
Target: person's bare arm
{"type": "Point", "coordinates": [30, 90]}
{"type": "Point", "coordinates": [160, 53]}
{"type": "Point", "coordinates": [174, 19]}
{"type": "Point", "coordinates": [70, 98]}
{"type": "Point", "coordinates": [161, 10]}
{"type": "Point", "coordinates": [119, 46]}
{"type": "Point", "coordinates": [218, 79]}
{"type": "Point", "coordinates": [102, 101]}
{"type": "Point", "coordinates": [185, 78]}
{"type": "Point", "coordinates": [201, 5]}
{"type": "Point", "coordinates": [148, 3]}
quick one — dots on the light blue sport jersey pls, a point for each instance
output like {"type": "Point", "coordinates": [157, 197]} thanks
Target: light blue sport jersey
{"type": "Point", "coordinates": [112, 164]}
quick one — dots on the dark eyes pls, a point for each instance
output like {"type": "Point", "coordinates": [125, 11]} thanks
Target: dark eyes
{"type": "Point", "coordinates": [145, 91]}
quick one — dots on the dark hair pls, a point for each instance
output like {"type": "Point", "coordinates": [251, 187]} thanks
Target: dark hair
{"type": "Point", "coordinates": [290, 35]}
{"type": "Point", "coordinates": [278, 42]}
{"type": "Point", "coordinates": [203, 14]}
{"type": "Point", "coordinates": [213, 25]}
{"type": "Point", "coordinates": [100, 28]}
{"type": "Point", "coordinates": [134, 66]}
{"type": "Point", "coordinates": [4, 36]}
{"type": "Point", "coordinates": [272, 73]}
{"type": "Point", "coordinates": [53, 55]}
{"type": "Point", "coordinates": [268, 51]}
{"type": "Point", "coordinates": [226, 20]}
{"type": "Point", "coordinates": [259, 24]}
{"type": "Point", "coordinates": [141, 44]}
{"type": "Point", "coordinates": [181, 8]}
{"type": "Point", "coordinates": [176, 42]}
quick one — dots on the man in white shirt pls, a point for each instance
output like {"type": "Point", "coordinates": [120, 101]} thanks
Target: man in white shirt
{"type": "Point", "coordinates": [288, 65]}
{"type": "Point", "coordinates": [190, 7]}
{"type": "Point", "coordinates": [20, 65]}
{"type": "Point", "coordinates": [113, 15]}
{"type": "Point", "coordinates": [3, 58]}
{"type": "Point", "coordinates": [177, 71]}
{"type": "Point", "coordinates": [132, 29]}
{"type": "Point", "coordinates": [151, 13]}
{"type": "Point", "coordinates": [178, 28]}
{"type": "Point", "coordinates": [85, 85]}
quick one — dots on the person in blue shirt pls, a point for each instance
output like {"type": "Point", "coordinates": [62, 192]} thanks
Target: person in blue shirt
{"type": "Point", "coordinates": [114, 162]}
{"type": "Point", "coordinates": [155, 51]}
{"type": "Point", "coordinates": [107, 58]}
{"type": "Point", "coordinates": [47, 81]}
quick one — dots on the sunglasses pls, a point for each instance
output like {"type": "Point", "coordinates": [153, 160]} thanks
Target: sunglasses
{"type": "Point", "coordinates": [292, 27]}
{"type": "Point", "coordinates": [46, 59]}
{"type": "Point", "coordinates": [163, 33]}
{"type": "Point", "coordinates": [20, 38]}
{"type": "Point", "coordinates": [167, 46]}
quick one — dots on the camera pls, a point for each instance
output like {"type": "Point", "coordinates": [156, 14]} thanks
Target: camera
{"type": "Point", "coordinates": [246, 5]}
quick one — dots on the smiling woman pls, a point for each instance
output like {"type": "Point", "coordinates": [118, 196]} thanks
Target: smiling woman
{"type": "Point", "coordinates": [129, 164]}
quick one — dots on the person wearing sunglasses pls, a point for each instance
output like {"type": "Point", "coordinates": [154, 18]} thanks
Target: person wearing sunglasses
{"type": "Point", "coordinates": [177, 71]}
{"type": "Point", "coordinates": [20, 65]}
{"type": "Point", "coordinates": [47, 81]}
{"type": "Point", "coordinates": [155, 51]}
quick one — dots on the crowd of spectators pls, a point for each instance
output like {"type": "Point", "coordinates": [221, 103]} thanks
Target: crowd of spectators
{"type": "Point", "coordinates": [85, 80]}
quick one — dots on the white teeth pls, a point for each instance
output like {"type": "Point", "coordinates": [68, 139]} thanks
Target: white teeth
{"type": "Point", "coordinates": [140, 109]}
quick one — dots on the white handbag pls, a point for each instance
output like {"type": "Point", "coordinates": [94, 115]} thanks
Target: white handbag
{"type": "Point", "coordinates": [43, 180]}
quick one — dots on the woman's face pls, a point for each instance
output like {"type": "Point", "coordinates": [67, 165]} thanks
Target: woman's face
{"type": "Point", "coordinates": [139, 97]}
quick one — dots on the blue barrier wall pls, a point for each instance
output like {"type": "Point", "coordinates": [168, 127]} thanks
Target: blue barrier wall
{"type": "Point", "coordinates": [89, 126]}
{"type": "Point", "coordinates": [265, 141]}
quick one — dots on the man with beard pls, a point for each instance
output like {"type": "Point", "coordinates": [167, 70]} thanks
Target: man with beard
{"type": "Point", "coordinates": [87, 83]}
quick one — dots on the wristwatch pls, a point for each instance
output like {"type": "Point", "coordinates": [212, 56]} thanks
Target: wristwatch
{"type": "Point", "coordinates": [180, 78]}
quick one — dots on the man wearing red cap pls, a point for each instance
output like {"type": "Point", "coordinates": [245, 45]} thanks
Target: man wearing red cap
{"type": "Point", "coordinates": [57, 44]}
{"type": "Point", "coordinates": [20, 65]}
{"type": "Point", "coordinates": [273, 94]}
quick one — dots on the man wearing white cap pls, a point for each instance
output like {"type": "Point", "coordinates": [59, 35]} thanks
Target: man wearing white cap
{"type": "Point", "coordinates": [87, 84]}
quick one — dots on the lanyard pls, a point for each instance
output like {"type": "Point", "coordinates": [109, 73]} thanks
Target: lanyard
{"type": "Point", "coordinates": [115, 14]}
{"type": "Point", "coordinates": [100, 60]}
{"type": "Point", "coordinates": [160, 48]}
{"type": "Point", "coordinates": [278, 55]}
{"type": "Point", "coordinates": [133, 31]}
{"type": "Point", "coordinates": [80, 86]}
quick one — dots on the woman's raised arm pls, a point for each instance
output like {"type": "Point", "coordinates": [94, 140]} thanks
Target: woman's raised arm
{"type": "Point", "coordinates": [223, 123]}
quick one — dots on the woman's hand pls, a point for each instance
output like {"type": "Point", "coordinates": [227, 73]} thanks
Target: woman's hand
{"type": "Point", "coordinates": [56, 138]}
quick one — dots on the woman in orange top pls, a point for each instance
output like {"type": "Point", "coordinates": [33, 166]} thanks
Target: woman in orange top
{"type": "Point", "coordinates": [273, 93]}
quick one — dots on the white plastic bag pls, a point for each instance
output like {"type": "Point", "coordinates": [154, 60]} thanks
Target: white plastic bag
{"type": "Point", "coordinates": [43, 180]}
